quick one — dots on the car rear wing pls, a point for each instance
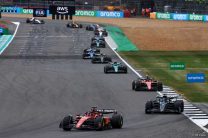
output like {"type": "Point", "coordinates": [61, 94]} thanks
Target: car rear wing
{"type": "Point", "coordinates": [107, 111]}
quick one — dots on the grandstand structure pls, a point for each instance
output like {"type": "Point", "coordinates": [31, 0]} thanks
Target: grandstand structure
{"type": "Point", "coordinates": [183, 6]}
{"type": "Point", "coordinates": [175, 6]}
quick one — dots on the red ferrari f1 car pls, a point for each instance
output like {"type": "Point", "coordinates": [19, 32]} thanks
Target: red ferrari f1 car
{"type": "Point", "coordinates": [147, 84]}
{"type": "Point", "coordinates": [95, 120]}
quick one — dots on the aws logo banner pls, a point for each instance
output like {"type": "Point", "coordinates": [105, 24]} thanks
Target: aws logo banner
{"type": "Point", "coordinates": [62, 10]}
{"type": "Point", "coordinates": [39, 12]}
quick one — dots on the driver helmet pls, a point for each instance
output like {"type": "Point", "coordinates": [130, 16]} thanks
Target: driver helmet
{"type": "Point", "coordinates": [93, 109]}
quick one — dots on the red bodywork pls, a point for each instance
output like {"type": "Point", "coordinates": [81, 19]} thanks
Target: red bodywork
{"type": "Point", "coordinates": [148, 83]}
{"type": "Point", "coordinates": [90, 116]}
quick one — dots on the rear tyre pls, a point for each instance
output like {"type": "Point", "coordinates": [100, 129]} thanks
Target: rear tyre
{"type": "Point", "coordinates": [117, 121]}
{"type": "Point", "coordinates": [125, 68]}
{"type": "Point", "coordinates": [179, 105]}
{"type": "Point", "coordinates": [66, 124]}
{"type": "Point", "coordinates": [159, 86]}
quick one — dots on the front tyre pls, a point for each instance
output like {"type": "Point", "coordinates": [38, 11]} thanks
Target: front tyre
{"type": "Point", "coordinates": [133, 85]}
{"type": "Point", "coordinates": [66, 124]}
{"type": "Point", "coordinates": [148, 107]}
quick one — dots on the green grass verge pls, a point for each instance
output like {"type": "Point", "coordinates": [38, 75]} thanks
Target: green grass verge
{"type": "Point", "coordinates": [156, 64]}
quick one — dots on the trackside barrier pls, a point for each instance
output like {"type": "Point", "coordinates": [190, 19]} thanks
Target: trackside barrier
{"type": "Point", "coordinates": [85, 13]}
{"type": "Point", "coordinates": [104, 14]}
{"type": "Point", "coordinates": [110, 14]}
{"type": "Point", "coordinates": [11, 9]}
{"type": "Point", "coordinates": [181, 17]}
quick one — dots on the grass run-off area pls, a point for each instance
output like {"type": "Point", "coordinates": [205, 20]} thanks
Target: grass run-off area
{"type": "Point", "coordinates": [157, 65]}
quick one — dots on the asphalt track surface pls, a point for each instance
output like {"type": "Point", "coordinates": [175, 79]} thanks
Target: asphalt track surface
{"type": "Point", "coordinates": [43, 78]}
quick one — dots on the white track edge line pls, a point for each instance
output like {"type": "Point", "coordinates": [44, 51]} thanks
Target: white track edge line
{"type": "Point", "coordinates": [17, 24]}
{"type": "Point", "coordinates": [202, 127]}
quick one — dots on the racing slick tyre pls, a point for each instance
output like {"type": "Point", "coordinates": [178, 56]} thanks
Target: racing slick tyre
{"type": "Point", "coordinates": [99, 124]}
{"type": "Point", "coordinates": [138, 86]}
{"type": "Point", "coordinates": [148, 107]}
{"type": "Point", "coordinates": [106, 70]}
{"type": "Point", "coordinates": [42, 21]}
{"type": "Point", "coordinates": [179, 106]}
{"type": "Point", "coordinates": [66, 124]}
{"type": "Point", "coordinates": [117, 121]}
{"type": "Point", "coordinates": [105, 34]}
{"type": "Point", "coordinates": [108, 59]}
{"type": "Point", "coordinates": [159, 86]}
{"type": "Point", "coordinates": [125, 70]}
{"type": "Point", "coordinates": [27, 20]}
{"type": "Point", "coordinates": [133, 85]}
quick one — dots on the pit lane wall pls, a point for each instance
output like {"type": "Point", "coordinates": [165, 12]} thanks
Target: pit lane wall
{"type": "Point", "coordinates": [179, 17]}
{"type": "Point", "coordinates": [103, 14]}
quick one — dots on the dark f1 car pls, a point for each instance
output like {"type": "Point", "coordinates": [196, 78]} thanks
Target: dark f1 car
{"type": "Point", "coordinates": [98, 38]}
{"type": "Point", "coordinates": [90, 53]}
{"type": "Point", "coordinates": [92, 27]}
{"type": "Point", "coordinates": [147, 84]}
{"type": "Point", "coordinates": [164, 104]}
{"type": "Point", "coordinates": [98, 44]}
{"type": "Point", "coordinates": [101, 59]}
{"type": "Point", "coordinates": [115, 67]}
{"type": "Point", "coordinates": [34, 21]}
{"type": "Point", "coordinates": [74, 25]}
{"type": "Point", "coordinates": [93, 120]}
{"type": "Point", "coordinates": [101, 32]}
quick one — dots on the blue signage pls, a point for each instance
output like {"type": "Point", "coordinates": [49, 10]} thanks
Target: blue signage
{"type": "Point", "coordinates": [11, 9]}
{"type": "Point", "coordinates": [195, 78]}
{"type": "Point", "coordinates": [38, 12]}
{"type": "Point", "coordinates": [180, 17]}
{"type": "Point", "coordinates": [1, 30]}
{"type": "Point", "coordinates": [110, 14]}
{"type": "Point", "coordinates": [206, 18]}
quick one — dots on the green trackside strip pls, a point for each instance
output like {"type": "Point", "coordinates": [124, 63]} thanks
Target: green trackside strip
{"type": "Point", "coordinates": [4, 40]}
{"type": "Point", "coordinates": [124, 44]}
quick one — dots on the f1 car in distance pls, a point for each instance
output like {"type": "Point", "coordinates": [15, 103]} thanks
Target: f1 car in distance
{"type": "Point", "coordinates": [91, 49]}
{"type": "Point", "coordinates": [165, 104]}
{"type": "Point", "coordinates": [92, 27]}
{"type": "Point", "coordinates": [101, 32]}
{"type": "Point", "coordinates": [102, 58]}
{"type": "Point", "coordinates": [115, 67]}
{"type": "Point", "coordinates": [93, 120]}
{"type": "Point", "coordinates": [98, 44]}
{"type": "Point", "coordinates": [98, 38]}
{"type": "Point", "coordinates": [34, 21]}
{"type": "Point", "coordinates": [74, 25]}
{"type": "Point", "coordinates": [90, 53]}
{"type": "Point", "coordinates": [147, 84]}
